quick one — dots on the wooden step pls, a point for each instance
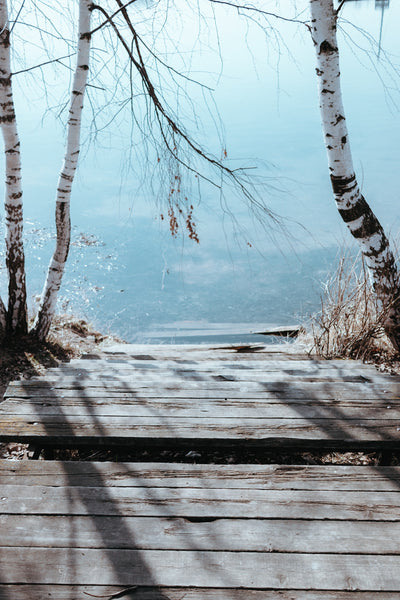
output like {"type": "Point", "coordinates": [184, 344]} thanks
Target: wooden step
{"type": "Point", "coordinates": [213, 532]}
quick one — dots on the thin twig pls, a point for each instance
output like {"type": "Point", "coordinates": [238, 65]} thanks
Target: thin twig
{"type": "Point", "coordinates": [259, 11]}
{"type": "Point", "coordinates": [48, 62]}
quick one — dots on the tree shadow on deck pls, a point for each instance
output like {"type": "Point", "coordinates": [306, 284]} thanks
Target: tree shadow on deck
{"type": "Point", "coordinates": [92, 503]}
{"type": "Point", "coordinates": [67, 565]}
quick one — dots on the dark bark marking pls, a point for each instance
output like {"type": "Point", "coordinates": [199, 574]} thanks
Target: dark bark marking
{"type": "Point", "coordinates": [5, 81]}
{"type": "Point", "coordinates": [8, 118]}
{"type": "Point", "coordinates": [319, 72]}
{"type": "Point", "coordinates": [342, 185]}
{"type": "Point", "coordinates": [374, 253]}
{"type": "Point", "coordinates": [344, 140]}
{"type": "Point", "coordinates": [62, 209]}
{"type": "Point", "coordinates": [16, 195]}
{"type": "Point", "coordinates": [369, 226]}
{"type": "Point", "coordinates": [325, 91]}
{"type": "Point", "coordinates": [11, 209]}
{"type": "Point", "coordinates": [67, 177]}
{"type": "Point", "coordinates": [326, 48]}
{"type": "Point", "coordinates": [84, 67]}
{"type": "Point", "coordinates": [340, 118]}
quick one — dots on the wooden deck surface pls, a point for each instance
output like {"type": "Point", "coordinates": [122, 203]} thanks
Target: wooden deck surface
{"type": "Point", "coordinates": [75, 530]}
{"type": "Point", "coordinates": [165, 394]}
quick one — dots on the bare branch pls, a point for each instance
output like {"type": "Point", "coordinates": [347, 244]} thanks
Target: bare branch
{"type": "Point", "coordinates": [170, 68]}
{"type": "Point", "coordinates": [161, 112]}
{"type": "Point", "coordinates": [15, 21]}
{"type": "Point", "coordinates": [111, 17]}
{"type": "Point", "coordinates": [259, 11]}
{"type": "Point", "coordinates": [339, 8]}
{"type": "Point", "coordinates": [48, 62]}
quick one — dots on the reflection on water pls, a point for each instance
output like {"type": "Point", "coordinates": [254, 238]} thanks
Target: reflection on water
{"type": "Point", "coordinates": [135, 287]}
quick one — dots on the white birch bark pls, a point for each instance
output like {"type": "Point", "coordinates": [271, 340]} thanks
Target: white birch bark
{"type": "Point", "coordinates": [16, 319]}
{"type": "Point", "coordinates": [350, 202]}
{"type": "Point", "coordinates": [63, 224]}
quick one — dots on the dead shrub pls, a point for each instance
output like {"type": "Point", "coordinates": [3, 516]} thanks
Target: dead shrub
{"type": "Point", "coordinates": [350, 322]}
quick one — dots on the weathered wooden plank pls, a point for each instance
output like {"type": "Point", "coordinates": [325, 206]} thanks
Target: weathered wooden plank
{"type": "Point", "coordinates": [194, 409]}
{"type": "Point", "coordinates": [69, 592]}
{"type": "Point", "coordinates": [231, 376]}
{"type": "Point", "coordinates": [191, 329]}
{"type": "Point", "coordinates": [67, 430]}
{"type": "Point", "coordinates": [149, 533]}
{"type": "Point", "coordinates": [202, 407]}
{"type": "Point", "coordinates": [335, 478]}
{"type": "Point", "coordinates": [215, 380]}
{"type": "Point", "coordinates": [179, 349]}
{"type": "Point", "coordinates": [256, 366]}
{"type": "Point", "coordinates": [256, 359]}
{"type": "Point", "coordinates": [198, 411]}
{"type": "Point", "coordinates": [213, 569]}
{"type": "Point", "coordinates": [165, 380]}
{"type": "Point", "coordinates": [281, 391]}
{"type": "Point", "coordinates": [184, 358]}
{"type": "Point", "coordinates": [194, 503]}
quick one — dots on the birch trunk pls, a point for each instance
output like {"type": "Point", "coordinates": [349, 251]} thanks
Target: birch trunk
{"type": "Point", "coordinates": [351, 204]}
{"type": "Point", "coordinates": [63, 223]}
{"type": "Point", "coordinates": [15, 322]}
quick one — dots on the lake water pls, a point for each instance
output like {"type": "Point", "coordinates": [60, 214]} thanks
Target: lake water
{"type": "Point", "coordinates": [127, 275]}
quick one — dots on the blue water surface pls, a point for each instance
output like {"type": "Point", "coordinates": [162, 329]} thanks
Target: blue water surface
{"type": "Point", "coordinates": [127, 275]}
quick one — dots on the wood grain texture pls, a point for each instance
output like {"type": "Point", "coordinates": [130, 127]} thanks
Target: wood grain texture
{"type": "Point", "coordinates": [69, 592]}
{"type": "Point", "coordinates": [186, 393]}
{"type": "Point", "coordinates": [192, 503]}
{"type": "Point", "coordinates": [208, 569]}
{"type": "Point", "coordinates": [269, 390]}
{"type": "Point", "coordinates": [197, 409]}
{"type": "Point", "coordinates": [174, 533]}
{"type": "Point", "coordinates": [334, 478]}
{"type": "Point", "coordinates": [201, 532]}
{"type": "Point", "coordinates": [71, 431]}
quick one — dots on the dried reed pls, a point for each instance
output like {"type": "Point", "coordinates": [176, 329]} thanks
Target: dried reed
{"type": "Point", "coordinates": [349, 323]}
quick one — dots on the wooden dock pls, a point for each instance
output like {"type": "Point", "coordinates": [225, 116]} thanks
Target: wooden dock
{"type": "Point", "coordinates": [172, 531]}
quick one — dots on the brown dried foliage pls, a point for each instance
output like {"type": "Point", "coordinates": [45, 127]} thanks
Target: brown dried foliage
{"type": "Point", "coordinates": [350, 323]}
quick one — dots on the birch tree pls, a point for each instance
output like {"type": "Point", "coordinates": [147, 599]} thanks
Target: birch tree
{"type": "Point", "coordinates": [14, 319]}
{"type": "Point", "coordinates": [351, 204]}
{"type": "Point", "coordinates": [63, 222]}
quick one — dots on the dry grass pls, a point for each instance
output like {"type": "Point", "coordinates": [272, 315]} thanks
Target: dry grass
{"type": "Point", "coordinates": [68, 338]}
{"type": "Point", "coordinates": [349, 324]}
